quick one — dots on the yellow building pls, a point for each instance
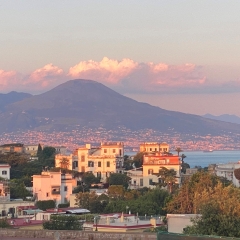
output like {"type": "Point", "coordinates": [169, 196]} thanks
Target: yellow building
{"type": "Point", "coordinates": [154, 147]}
{"type": "Point", "coordinates": [101, 161]}
{"type": "Point", "coordinates": [148, 176]}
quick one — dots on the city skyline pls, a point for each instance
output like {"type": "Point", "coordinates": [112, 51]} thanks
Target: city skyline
{"type": "Point", "coordinates": [180, 55]}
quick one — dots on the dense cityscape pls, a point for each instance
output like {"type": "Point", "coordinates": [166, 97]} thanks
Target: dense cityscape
{"type": "Point", "coordinates": [72, 139]}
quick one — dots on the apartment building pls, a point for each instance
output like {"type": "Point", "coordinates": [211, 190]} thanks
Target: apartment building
{"type": "Point", "coordinates": [53, 186]}
{"type": "Point", "coordinates": [12, 147]}
{"type": "Point", "coordinates": [154, 147]}
{"type": "Point", "coordinates": [102, 160]}
{"type": "Point", "coordinates": [148, 176]}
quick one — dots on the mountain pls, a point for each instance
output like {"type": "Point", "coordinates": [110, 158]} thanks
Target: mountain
{"type": "Point", "coordinates": [91, 104]}
{"type": "Point", "coordinates": [11, 97]}
{"type": "Point", "coordinates": [224, 117]}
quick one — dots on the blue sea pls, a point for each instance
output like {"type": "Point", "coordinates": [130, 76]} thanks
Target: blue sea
{"type": "Point", "coordinates": [203, 159]}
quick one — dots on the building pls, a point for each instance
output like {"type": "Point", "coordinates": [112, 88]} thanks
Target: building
{"type": "Point", "coordinates": [12, 147]}
{"type": "Point", "coordinates": [101, 161]}
{"type": "Point", "coordinates": [31, 149]}
{"type": "Point", "coordinates": [148, 175]}
{"type": "Point", "coordinates": [188, 174]}
{"type": "Point", "coordinates": [227, 171]}
{"type": "Point", "coordinates": [177, 222]}
{"type": "Point", "coordinates": [150, 147]}
{"type": "Point", "coordinates": [120, 222]}
{"type": "Point", "coordinates": [5, 170]}
{"type": "Point", "coordinates": [61, 150]}
{"type": "Point", "coordinates": [53, 186]}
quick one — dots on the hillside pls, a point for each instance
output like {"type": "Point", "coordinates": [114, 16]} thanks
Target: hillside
{"type": "Point", "coordinates": [91, 104]}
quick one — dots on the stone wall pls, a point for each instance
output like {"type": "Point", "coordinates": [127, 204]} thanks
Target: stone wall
{"type": "Point", "coordinates": [71, 235]}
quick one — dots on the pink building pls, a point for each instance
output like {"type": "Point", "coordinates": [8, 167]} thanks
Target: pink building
{"type": "Point", "coordinates": [53, 186]}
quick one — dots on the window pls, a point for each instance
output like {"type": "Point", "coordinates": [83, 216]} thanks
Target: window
{"type": "Point", "coordinates": [75, 164]}
{"type": "Point", "coordinates": [150, 149]}
{"type": "Point", "coordinates": [82, 158]}
{"type": "Point", "coordinates": [99, 164]}
{"type": "Point", "coordinates": [4, 172]}
{"type": "Point", "coordinates": [82, 169]}
{"type": "Point", "coordinates": [120, 152]}
{"type": "Point", "coordinates": [90, 164]}
{"type": "Point", "coordinates": [150, 171]}
{"type": "Point", "coordinates": [114, 150]}
{"type": "Point", "coordinates": [155, 149]}
{"type": "Point", "coordinates": [99, 174]}
{"type": "Point", "coordinates": [150, 181]}
{"type": "Point", "coordinates": [47, 194]}
{"type": "Point", "coordinates": [65, 188]}
{"type": "Point", "coordinates": [141, 182]}
{"type": "Point", "coordinates": [108, 164]}
{"type": "Point", "coordinates": [105, 150]}
{"type": "Point", "coordinates": [45, 217]}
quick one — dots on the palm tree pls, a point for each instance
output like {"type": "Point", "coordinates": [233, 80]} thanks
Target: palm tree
{"type": "Point", "coordinates": [168, 177]}
{"type": "Point", "coordinates": [178, 150]}
{"type": "Point", "coordinates": [64, 163]}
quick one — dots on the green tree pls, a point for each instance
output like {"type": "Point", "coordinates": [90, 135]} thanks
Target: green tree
{"type": "Point", "coordinates": [46, 204]}
{"type": "Point", "coordinates": [63, 222]}
{"type": "Point", "coordinates": [168, 178]}
{"type": "Point", "coordinates": [39, 150]}
{"type": "Point", "coordinates": [138, 159]}
{"type": "Point", "coordinates": [48, 152]}
{"type": "Point", "coordinates": [119, 179]}
{"type": "Point", "coordinates": [18, 189]}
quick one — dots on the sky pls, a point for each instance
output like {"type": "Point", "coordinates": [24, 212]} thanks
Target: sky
{"type": "Point", "coordinates": [180, 55]}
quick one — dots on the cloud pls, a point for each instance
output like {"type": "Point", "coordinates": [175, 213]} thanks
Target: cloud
{"type": "Point", "coordinates": [124, 76]}
{"type": "Point", "coordinates": [39, 80]}
{"type": "Point", "coordinates": [7, 79]}
{"type": "Point", "coordinates": [107, 70]}
{"type": "Point", "coordinates": [130, 76]}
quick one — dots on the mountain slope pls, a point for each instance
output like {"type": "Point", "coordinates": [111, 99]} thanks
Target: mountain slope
{"type": "Point", "coordinates": [91, 104]}
{"type": "Point", "coordinates": [224, 117]}
{"type": "Point", "coordinates": [11, 97]}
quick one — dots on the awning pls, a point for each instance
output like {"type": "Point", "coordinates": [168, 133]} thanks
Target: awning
{"type": "Point", "coordinates": [77, 211]}
{"type": "Point", "coordinates": [31, 211]}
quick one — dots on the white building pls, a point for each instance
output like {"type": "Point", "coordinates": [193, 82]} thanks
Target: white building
{"type": "Point", "coordinates": [5, 170]}
{"type": "Point", "coordinates": [53, 186]}
{"type": "Point", "coordinates": [227, 171]}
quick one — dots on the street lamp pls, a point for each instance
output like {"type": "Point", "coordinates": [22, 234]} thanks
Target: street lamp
{"type": "Point", "coordinates": [96, 220]}
{"type": "Point", "coordinates": [127, 207]}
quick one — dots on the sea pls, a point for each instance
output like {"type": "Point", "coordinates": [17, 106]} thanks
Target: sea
{"type": "Point", "coordinates": [203, 159]}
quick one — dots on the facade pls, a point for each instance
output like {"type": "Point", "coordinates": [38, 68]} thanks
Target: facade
{"type": "Point", "coordinates": [12, 147]}
{"type": "Point", "coordinates": [101, 161]}
{"type": "Point", "coordinates": [227, 171]}
{"type": "Point", "coordinates": [154, 147]}
{"type": "Point", "coordinates": [4, 184]}
{"type": "Point", "coordinates": [14, 208]}
{"type": "Point", "coordinates": [31, 149]}
{"type": "Point", "coordinates": [152, 163]}
{"type": "Point", "coordinates": [177, 222]}
{"type": "Point", "coordinates": [61, 150]}
{"type": "Point", "coordinates": [53, 186]}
